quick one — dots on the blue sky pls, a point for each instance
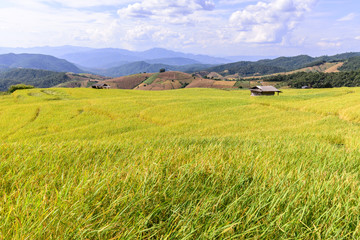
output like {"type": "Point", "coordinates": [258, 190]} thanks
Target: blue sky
{"type": "Point", "coordinates": [213, 27]}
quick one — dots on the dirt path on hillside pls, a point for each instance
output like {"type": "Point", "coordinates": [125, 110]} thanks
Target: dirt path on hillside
{"type": "Point", "coordinates": [334, 68]}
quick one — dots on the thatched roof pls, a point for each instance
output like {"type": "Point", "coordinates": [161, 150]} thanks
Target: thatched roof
{"type": "Point", "coordinates": [100, 85]}
{"type": "Point", "coordinates": [264, 89]}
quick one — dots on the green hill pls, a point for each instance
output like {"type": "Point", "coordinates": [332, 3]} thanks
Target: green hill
{"type": "Point", "coordinates": [341, 56]}
{"type": "Point", "coordinates": [288, 63]}
{"type": "Point", "coordinates": [352, 64]}
{"type": "Point", "coordinates": [245, 69]}
{"type": "Point", "coordinates": [283, 64]}
{"type": "Point", "coordinates": [133, 68]}
{"type": "Point", "coordinates": [263, 67]}
{"type": "Point", "coordinates": [37, 78]}
{"type": "Point", "coordinates": [37, 61]}
{"type": "Point", "coordinates": [317, 79]}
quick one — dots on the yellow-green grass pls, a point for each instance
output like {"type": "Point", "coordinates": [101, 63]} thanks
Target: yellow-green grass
{"type": "Point", "coordinates": [180, 164]}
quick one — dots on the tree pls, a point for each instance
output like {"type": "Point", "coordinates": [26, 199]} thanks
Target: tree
{"type": "Point", "coordinates": [162, 70]}
{"type": "Point", "coordinates": [13, 88]}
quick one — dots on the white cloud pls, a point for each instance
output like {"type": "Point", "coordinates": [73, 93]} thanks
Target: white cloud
{"type": "Point", "coordinates": [74, 3]}
{"type": "Point", "coordinates": [233, 27]}
{"type": "Point", "coordinates": [140, 32]}
{"type": "Point", "coordinates": [148, 36]}
{"type": "Point", "coordinates": [88, 3]}
{"type": "Point", "coordinates": [234, 2]}
{"type": "Point", "coordinates": [349, 17]}
{"type": "Point", "coordinates": [158, 34]}
{"type": "Point", "coordinates": [135, 10]}
{"type": "Point", "coordinates": [269, 22]}
{"type": "Point", "coordinates": [48, 27]}
{"type": "Point", "coordinates": [329, 44]}
{"type": "Point", "coordinates": [170, 9]}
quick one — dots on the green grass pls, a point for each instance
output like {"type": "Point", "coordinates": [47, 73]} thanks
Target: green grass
{"type": "Point", "coordinates": [180, 164]}
{"type": "Point", "coordinates": [151, 79]}
{"type": "Point", "coordinates": [242, 84]}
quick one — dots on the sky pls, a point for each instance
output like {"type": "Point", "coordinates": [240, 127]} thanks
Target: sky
{"type": "Point", "coordinates": [212, 27]}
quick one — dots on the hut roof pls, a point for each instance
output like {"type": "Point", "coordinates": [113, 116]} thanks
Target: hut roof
{"type": "Point", "coordinates": [100, 85]}
{"type": "Point", "coordinates": [264, 89]}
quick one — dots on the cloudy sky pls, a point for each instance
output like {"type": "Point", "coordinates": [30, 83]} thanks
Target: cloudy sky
{"type": "Point", "coordinates": [214, 27]}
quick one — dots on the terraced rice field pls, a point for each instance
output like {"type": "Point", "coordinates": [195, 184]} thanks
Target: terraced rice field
{"type": "Point", "coordinates": [180, 164]}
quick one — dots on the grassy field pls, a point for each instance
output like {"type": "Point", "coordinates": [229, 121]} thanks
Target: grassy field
{"type": "Point", "coordinates": [181, 164]}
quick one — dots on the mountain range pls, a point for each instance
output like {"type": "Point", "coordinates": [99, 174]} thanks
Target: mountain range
{"type": "Point", "coordinates": [112, 57]}
{"type": "Point", "coordinates": [114, 62]}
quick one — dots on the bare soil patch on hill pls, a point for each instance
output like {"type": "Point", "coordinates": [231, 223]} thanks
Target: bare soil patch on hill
{"type": "Point", "coordinates": [209, 83]}
{"type": "Point", "coordinates": [326, 68]}
{"type": "Point", "coordinates": [334, 68]}
{"type": "Point", "coordinates": [128, 82]}
{"type": "Point", "coordinates": [167, 81]}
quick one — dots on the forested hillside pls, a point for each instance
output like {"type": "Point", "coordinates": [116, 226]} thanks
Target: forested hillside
{"type": "Point", "coordinates": [318, 80]}
{"type": "Point", "coordinates": [37, 78]}
{"type": "Point", "coordinates": [245, 68]}
{"type": "Point", "coordinates": [285, 64]}
{"type": "Point", "coordinates": [351, 64]}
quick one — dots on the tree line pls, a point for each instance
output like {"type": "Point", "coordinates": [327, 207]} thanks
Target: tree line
{"type": "Point", "coordinates": [318, 80]}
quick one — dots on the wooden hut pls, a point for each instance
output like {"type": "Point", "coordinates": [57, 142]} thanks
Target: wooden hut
{"type": "Point", "coordinates": [264, 91]}
{"type": "Point", "coordinates": [101, 86]}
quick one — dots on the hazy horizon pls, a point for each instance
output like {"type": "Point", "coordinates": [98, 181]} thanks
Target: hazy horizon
{"type": "Point", "coordinates": [212, 27]}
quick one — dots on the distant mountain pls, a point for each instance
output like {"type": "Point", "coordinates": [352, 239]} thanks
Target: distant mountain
{"type": "Point", "coordinates": [249, 58]}
{"type": "Point", "coordinates": [156, 53]}
{"type": "Point", "coordinates": [142, 66]}
{"type": "Point", "coordinates": [120, 62]}
{"type": "Point", "coordinates": [132, 68]}
{"type": "Point", "coordinates": [111, 57]}
{"type": "Point", "coordinates": [102, 58]}
{"type": "Point", "coordinates": [37, 61]}
{"type": "Point", "coordinates": [193, 67]}
{"type": "Point", "coordinates": [53, 51]}
{"type": "Point", "coordinates": [177, 61]}
{"type": "Point", "coordinates": [3, 67]}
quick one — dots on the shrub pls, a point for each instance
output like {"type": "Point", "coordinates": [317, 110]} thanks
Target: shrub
{"type": "Point", "coordinates": [13, 88]}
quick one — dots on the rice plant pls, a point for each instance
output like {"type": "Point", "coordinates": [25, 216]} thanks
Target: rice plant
{"type": "Point", "coordinates": [180, 164]}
